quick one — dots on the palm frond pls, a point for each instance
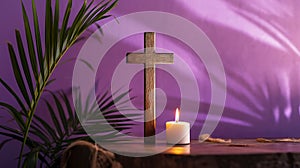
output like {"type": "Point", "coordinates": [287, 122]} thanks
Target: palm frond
{"type": "Point", "coordinates": [34, 61]}
{"type": "Point", "coordinates": [68, 127]}
{"type": "Point", "coordinates": [101, 115]}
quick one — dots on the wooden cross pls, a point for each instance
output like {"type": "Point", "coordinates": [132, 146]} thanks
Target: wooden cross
{"type": "Point", "coordinates": [149, 58]}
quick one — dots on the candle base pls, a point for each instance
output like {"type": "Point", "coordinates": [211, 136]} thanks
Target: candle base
{"type": "Point", "coordinates": [177, 132]}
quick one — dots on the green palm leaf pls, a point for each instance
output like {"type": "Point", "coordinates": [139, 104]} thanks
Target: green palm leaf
{"type": "Point", "coordinates": [34, 62]}
{"type": "Point", "coordinates": [63, 113]}
{"type": "Point", "coordinates": [30, 44]}
{"type": "Point", "coordinates": [14, 94]}
{"type": "Point", "coordinates": [24, 63]}
{"type": "Point", "coordinates": [38, 42]}
{"type": "Point", "coordinates": [18, 75]}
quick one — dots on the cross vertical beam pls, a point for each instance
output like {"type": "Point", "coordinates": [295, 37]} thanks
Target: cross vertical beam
{"type": "Point", "coordinates": [149, 58]}
{"type": "Point", "coordinates": [149, 95]}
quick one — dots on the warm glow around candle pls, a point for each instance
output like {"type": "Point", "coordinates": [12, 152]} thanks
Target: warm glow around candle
{"type": "Point", "coordinates": [177, 115]}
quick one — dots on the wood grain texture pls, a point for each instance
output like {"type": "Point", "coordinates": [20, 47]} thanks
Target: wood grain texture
{"type": "Point", "coordinates": [149, 58]}
{"type": "Point", "coordinates": [149, 42]}
{"type": "Point", "coordinates": [149, 105]}
{"type": "Point", "coordinates": [212, 155]}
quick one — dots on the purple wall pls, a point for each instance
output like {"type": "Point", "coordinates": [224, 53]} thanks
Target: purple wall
{"type": "Point", "coordinates": [258, 42]}
{"type": "Point", "coordinates": [259, 46]}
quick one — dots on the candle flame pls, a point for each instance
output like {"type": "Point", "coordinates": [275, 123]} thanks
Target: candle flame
{"type": "Point", "coordinates": [177, 115]}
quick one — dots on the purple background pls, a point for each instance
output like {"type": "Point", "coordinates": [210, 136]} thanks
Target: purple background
{"type": "Point", "coordinates": [258, 42]}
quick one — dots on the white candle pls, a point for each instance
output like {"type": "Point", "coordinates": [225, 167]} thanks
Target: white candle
{"type": "Point", "coordinates": [177, 132]}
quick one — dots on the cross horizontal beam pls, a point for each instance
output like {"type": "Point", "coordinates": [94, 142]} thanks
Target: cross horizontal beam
{"type": "Point", "coordinates": [150, 58]}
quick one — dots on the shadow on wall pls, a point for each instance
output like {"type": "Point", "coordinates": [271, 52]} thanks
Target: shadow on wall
{"type": "Point", "coordinates": [263, 88]}
{"type": "Point", "coordinates": [258, 42]}
{"type": "Point", "coordinates": [262, 70]}
{"type": "Point", "coordinates": [260, 55]}
{"type": "Point", "coordinates": [261, 61]}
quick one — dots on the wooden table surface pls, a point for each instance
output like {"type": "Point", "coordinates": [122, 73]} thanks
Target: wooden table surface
{"type": "Point", "coordinates": [238, 146]}
{"type": "Point", "coordinates": [239, 153]}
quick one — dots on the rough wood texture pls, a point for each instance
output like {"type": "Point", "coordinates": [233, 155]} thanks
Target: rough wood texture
{"type": "Point", "coordinates": [149, 42]}
{"type": "Point", "coordinates": [242, 154]}
{"type": "Point", "coordinates": [149, 105]}
{"type": "Point", "coordinates": [82, 154]}
{"type": "Point", "coordinates": [149, 58]}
